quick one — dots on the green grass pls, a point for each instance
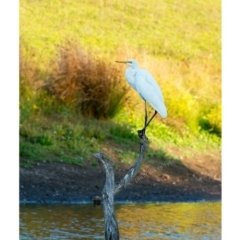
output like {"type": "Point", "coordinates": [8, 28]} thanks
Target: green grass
{"type": "Point", "coordinates": [180, 43]}
{"type": "Point", "coordinates": [74, 139]}
{"type": "Point", "coordinates": [171, 28]}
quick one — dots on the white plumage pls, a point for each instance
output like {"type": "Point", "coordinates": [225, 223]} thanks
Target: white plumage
{"type": "Point", "coordinates": [146, 86]}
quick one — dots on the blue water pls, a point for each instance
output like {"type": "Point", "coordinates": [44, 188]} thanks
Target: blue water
{"type": "Point", "coordinates": [136, 221]}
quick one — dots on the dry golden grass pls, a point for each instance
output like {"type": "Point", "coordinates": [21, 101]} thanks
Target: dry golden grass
{"type": "Point", "coordinates": [92, 86]}
{"type": "Point", "coordinates": [30, 74]}
{"type": "Point", "coordinates": [180, 44]}
{"type": "Point", "coordinates": [96, 87]}
{"type": "Point", "coordinates": [191, 88]}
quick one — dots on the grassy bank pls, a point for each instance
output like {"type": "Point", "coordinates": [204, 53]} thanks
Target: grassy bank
{"type": "Point", "coordinates": [74, 100]}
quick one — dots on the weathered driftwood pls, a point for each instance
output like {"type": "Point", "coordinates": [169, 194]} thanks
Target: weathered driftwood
{"type": "Point", "coordinates": [111, 226]}
{"type": "Point", "coordinates": [109, 190]}
{"type": "Point", "coordinates": [135, 168]}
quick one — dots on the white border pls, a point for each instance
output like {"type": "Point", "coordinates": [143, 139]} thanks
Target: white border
{"type": "Point", "coordinates": [231, 119]}
{"type": "Point", "coordinates": [9, 155]}
{"type": "Point", "coordinates": [9, 173]}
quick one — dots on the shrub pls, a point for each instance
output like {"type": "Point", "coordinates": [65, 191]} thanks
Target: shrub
{"type": "Point", "coordinates": [211, 120]}
{"type": "Point", "coordinates": [90, 85]}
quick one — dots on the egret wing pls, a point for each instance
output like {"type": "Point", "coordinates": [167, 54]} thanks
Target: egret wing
{"type": "Point", "coordinates": [150, 91]}
{"type": "Point", "coordinates": [151, 81]}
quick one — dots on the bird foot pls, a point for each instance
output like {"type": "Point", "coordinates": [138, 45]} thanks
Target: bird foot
{"type": "Point", "coordinates": [143, 137]}
{"type": "Point", "coordinates": [141, 133]}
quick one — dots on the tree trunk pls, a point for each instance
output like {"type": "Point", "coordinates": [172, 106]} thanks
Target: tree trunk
{"type": "Point", "coordinates": [109, 190]}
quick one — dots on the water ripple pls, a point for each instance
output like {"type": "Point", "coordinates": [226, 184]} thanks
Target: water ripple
{"type": "Point", "coordinates": [167, 221]}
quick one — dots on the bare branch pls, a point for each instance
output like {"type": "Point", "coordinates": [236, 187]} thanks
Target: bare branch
{"type": "Point", "coordinates": [135, 168]}
{"type": "Point", "coordinates": [109, 190]}
{"type": "Point", "coordinates": [111, 226]}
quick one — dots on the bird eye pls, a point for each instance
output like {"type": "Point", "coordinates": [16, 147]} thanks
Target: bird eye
{"type": "Point", "coordinates": [130, 62]}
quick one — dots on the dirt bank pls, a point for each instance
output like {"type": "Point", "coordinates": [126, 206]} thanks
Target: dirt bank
{"type": "Point", "coordinates": [189, 180]}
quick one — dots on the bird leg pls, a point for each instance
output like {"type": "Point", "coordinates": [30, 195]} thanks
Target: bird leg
{"type": "Point", "coordinates": [146, 115]}
{"type": "Point", "coordinates": [155, 113]}
{"type": "Point", "coordinates": [142, 131]}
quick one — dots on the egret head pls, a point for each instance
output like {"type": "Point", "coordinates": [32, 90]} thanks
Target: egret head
{"type": "Point", "coordinates": [131, 63]}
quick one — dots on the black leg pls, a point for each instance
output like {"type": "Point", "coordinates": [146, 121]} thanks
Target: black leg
{"type": "Point", "coordinates": [142, 131]}
{"type": "Point", "coordinates": [155, 113]}
{"type": "Point", "coordinates": [146, 115]}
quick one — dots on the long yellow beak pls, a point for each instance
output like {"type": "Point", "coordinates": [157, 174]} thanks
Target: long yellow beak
{"type": "Point", "coordinates": [121, 61]}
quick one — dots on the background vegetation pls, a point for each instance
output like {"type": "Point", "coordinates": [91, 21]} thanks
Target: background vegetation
{"type": "Point", "coordinates": [74, 99]}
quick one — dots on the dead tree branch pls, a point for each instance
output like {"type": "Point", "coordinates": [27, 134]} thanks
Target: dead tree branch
{"type": "Point", "coordinates": [111, 226]}
{"type": "Point", "coordinates": [135, 168]}
{"type": "Point", "coordinates": [109, 190]}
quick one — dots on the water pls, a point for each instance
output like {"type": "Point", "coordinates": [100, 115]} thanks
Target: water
{"type": "Point", "coordinates": [167, 221]}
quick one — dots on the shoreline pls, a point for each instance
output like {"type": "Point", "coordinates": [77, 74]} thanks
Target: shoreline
{"type": "Point", "coordinates": [56, 183]}
{"type": "Point", "coordinates": [115, 202]}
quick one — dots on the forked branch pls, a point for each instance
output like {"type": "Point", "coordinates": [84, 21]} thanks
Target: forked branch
{"type": "Point", "coordinates": [111, 226]}
{"type": "Point", "coordinates": [109, 190]}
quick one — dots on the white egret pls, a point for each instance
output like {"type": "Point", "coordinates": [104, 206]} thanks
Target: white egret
{"type": "Point", "coordinates": [148, 89]}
